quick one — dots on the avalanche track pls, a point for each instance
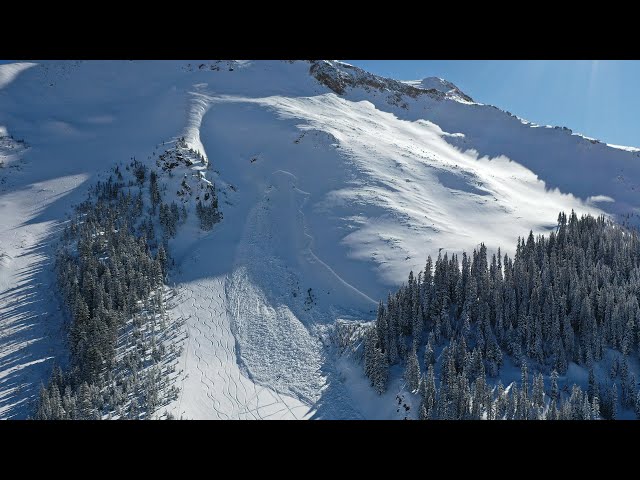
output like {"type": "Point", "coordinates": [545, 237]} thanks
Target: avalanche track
{"type": "Point", "coordinates": [332, 187]}
{"type": "Point", "coordinates": [213, 386]}
{"type": "Point", "coordinates": [254, 341]}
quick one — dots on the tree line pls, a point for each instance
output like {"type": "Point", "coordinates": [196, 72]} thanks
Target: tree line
{"type": "Point", "coordinates": [111, 265]}
{"type": "Point", "coordinates": [567, 297]}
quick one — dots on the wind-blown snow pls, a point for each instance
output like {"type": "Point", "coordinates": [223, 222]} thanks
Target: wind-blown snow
{"type": "Point", "coordinates": [622, 147]}
{"type": "Point", "coordinates": [9, 72]}
{"type": "Point", "coordinates": [328, 200]}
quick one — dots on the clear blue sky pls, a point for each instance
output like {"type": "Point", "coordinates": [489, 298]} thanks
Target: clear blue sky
{"type": "Point", "coordinates": [600, 99]}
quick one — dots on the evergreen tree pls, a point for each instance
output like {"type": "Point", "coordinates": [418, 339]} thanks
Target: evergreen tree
{"type": "Point", "coordinates": [429, 356]}
{"type": "Point", "coordinates": [595, 408]}
{"type": "Point", "coordinates": [370, 356]}
{"type": "Point", "coordinates": [537, 392]}
{"type": "Point", "coordinates": [592, 389]}
{"type": "Point", "coordinates": [382, 375]}
{"type": "Point", "coordinates": [382, 327]}
{"type": "Point", "coordinates": [430, 394]}
{"type": "Point", "coordinates": [412, 371]}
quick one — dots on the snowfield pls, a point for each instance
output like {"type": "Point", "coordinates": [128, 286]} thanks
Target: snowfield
{"type": "Point", "coordinates": [329, 200]}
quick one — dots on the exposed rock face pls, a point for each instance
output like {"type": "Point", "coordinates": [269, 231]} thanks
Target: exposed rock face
{"type": "Point", "coordinates": [339, 76]}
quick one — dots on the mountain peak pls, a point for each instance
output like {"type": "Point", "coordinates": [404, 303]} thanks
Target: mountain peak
{"type": "Point", "coordinates": [339, 76]}
{"type": "Point", "coordinates": [441, 85]}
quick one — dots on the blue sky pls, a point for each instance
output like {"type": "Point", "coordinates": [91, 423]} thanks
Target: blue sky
{"type": "Point", "coordinates": [600, 98]}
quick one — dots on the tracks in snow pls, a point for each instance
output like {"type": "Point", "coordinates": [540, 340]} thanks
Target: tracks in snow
{"type": "Point", "coordinates": [212, 385]}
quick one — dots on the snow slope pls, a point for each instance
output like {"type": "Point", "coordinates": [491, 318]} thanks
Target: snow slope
{"type": "Point", "coordinates": [333, 182]}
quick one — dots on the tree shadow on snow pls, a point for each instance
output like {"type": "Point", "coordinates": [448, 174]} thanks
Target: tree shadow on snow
{"type": "Point", "coordinates": [31, 334]}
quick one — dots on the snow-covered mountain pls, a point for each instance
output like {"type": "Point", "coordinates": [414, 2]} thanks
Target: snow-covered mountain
{"type": "Point", "coordinates": [334, 183]}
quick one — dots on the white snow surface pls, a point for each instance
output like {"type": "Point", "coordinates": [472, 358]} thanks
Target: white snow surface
{"type": "Point", "coordinates": [329, 201]}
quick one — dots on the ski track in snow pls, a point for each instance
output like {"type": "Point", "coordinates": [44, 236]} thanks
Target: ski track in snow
{"type": "Point", "coordinates": [341, 194]}
{"type": "Point", "coordinates": [215, 388]}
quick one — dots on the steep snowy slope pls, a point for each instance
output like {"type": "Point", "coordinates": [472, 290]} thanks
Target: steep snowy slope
{"type": "Point", "coordinates": [333, 182]}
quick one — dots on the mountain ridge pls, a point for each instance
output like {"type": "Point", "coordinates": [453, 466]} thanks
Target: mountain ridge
{"type": "Point", "coordinates": [326, 175]}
